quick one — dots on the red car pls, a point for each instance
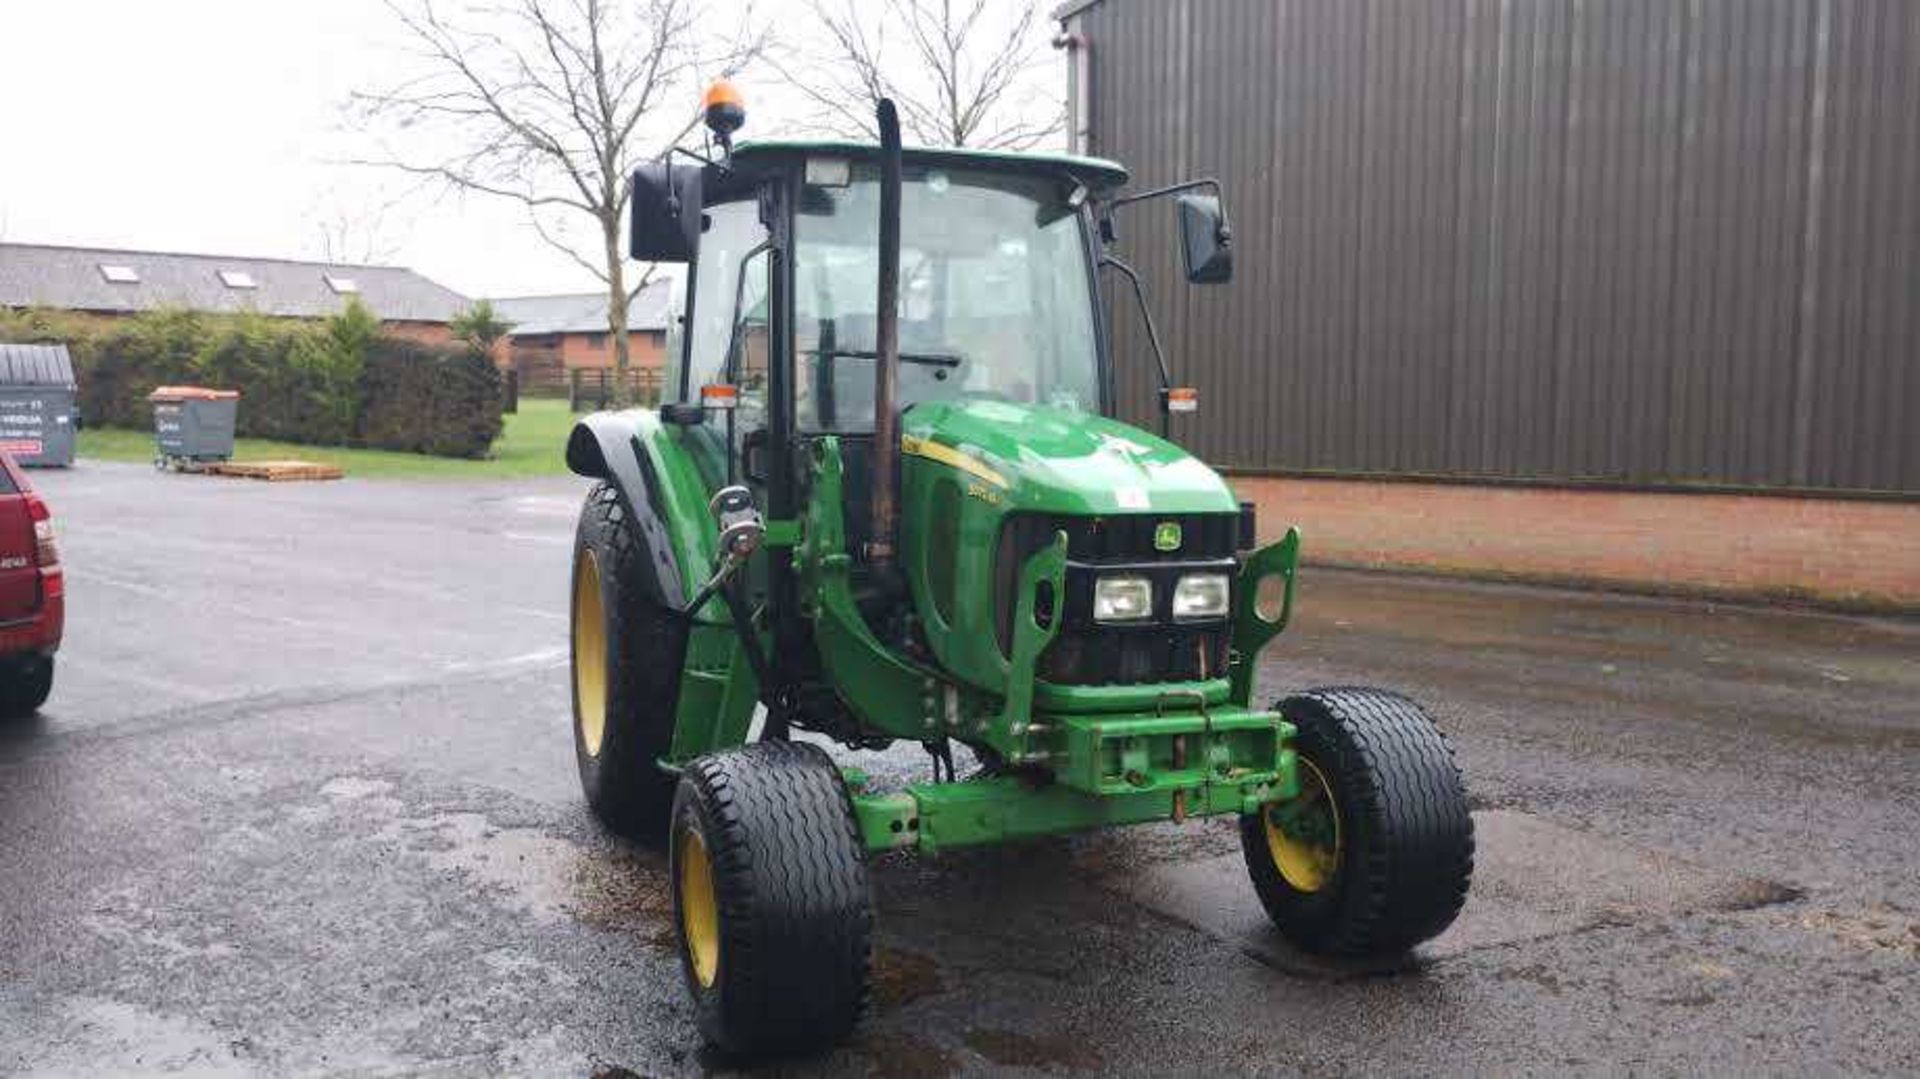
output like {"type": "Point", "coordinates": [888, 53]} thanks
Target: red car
{"type": "Point", "coordinates": [33, 605]}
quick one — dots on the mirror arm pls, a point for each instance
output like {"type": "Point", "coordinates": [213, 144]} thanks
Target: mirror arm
{"type": "Point", "coordinates": [1153, 334]}
{"type": "Point", "coordinates": [721, 166]}
{"type": "Point", "coordinates": [1107, 233]}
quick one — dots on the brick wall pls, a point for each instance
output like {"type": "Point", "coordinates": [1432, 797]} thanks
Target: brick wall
{"type": "Point", "coordinates": [1844, 552]}
{"type": "Point", "coordinates": [596, 350]}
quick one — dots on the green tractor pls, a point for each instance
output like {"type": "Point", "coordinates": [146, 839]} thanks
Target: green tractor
{"type": "Point", "coordinates": [887, 501]}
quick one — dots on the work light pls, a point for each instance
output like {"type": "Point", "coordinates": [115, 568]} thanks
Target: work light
{"type": "Point", "coordinates": [1122, 599]}
{"type": "Point", "coordinates": [1200, 595]}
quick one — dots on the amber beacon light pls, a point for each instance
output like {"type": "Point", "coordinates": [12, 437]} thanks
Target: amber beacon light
{"type": "Point", "coordinates": [725, 111]}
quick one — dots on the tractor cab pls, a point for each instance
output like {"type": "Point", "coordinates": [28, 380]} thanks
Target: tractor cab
{"type": "Point", "coordinates": [888, 500]}
{"type": "Point", "coordinates": [996, 295]}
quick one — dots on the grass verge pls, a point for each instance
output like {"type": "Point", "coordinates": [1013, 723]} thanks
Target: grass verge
{"type": "Point", "coordinates": [532, 444]}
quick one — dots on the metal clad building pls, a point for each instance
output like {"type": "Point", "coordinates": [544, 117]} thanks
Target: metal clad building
{"type": "Point", "coordinates": [1655, 242]}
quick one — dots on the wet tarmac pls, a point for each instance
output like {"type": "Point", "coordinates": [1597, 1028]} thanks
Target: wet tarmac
{"type": "Point", "coordinates": [303, 803]}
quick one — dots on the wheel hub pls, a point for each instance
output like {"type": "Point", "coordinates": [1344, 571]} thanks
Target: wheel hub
{"type": "Point", "coordinates": [1303, 834]}
{"type": "Point", "coordinates": [589, 654]}
{"type": "Point", "coordinates": [699, 913]}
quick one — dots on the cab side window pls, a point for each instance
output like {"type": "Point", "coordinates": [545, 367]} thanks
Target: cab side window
{"type": "Point", "coordinates": [717, 332]}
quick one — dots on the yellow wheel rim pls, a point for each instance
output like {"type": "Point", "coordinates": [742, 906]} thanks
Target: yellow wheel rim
{"type": "Point", "coordinates": [699, 914]}
{"type": "Point", "coordinates": [1303, 834]}
{"type": "Point", "coordinates": [589, 654]}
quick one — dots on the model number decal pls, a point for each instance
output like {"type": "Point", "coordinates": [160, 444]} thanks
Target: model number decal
{"type": "Point", "coordinates": [984, 493]}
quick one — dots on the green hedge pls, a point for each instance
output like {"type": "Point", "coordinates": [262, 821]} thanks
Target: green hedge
{"type": "Point", "coordinates": [336, 383]}
{"type": "Point", "coordinates": [441, 401]}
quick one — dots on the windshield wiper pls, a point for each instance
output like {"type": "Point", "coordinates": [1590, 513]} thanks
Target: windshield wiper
{"type": "Point", "coordinates": [930, 359]}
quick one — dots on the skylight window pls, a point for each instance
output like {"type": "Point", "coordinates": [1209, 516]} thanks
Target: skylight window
{"type": "Point", "coordinates": [237, 279]}
{"type": "Point", "coordinates": [119, 275]}
{"type": "Point", "coordinates": [341, 285]}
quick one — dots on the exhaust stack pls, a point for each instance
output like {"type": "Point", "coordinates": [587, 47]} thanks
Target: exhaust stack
{"type": "Point", "coordinates": [886, 346]}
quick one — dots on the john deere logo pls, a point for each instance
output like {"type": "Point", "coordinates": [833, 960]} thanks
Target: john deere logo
{"type": "Point", "coordinates": [1166, 536]}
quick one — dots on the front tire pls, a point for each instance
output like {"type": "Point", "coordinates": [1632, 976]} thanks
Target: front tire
{"type": "Point", "coordinates": [771, 898]}
{"type": "Point", "coordinates": [626, 650]}
{"type": "Point", "coordinates": [1375, 854]}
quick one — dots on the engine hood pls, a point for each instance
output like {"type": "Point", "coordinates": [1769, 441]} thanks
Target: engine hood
{"type": "Point", "coordinates": [1061, 461]}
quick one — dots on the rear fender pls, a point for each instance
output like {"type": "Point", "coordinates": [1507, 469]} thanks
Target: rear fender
{"type": "Point", "coordinates": [659, 486]}
{"type": "Point", "coordinates": [658, 481]}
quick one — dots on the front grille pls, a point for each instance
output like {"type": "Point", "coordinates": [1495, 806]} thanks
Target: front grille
{"type": "Point", "coordinates": [1113, 656]}
{"type": "Point", "coordinates": [1088, 653]}
{"type": "Point", "coordinates": [1126, 538]}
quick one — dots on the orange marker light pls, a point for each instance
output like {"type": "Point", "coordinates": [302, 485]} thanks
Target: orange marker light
{"type": "Point", "coordinates": [719, 395]}
{"type": "Point", "coordinates": [723, 92]}
{"type": "Point", "coordinates": [725, 110]}
{"type": "Point", "coordinates": [1183, 399]}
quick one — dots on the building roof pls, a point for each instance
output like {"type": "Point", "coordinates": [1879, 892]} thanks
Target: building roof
{"type": "Point", "coordinates": [107, 279]}
{"type": "Point", "coordinates": [35, 365]}
{"type": "Point", "coordinates": [586, 312]}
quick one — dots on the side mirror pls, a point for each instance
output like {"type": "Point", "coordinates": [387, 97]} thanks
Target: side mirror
{"type": "Point", "coordinates": [1205, 239]}
{"type": "Point", "coordinates": [666, 212]}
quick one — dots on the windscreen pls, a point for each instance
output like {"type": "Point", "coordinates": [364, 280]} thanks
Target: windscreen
{"type": "Point", "coordinates": [995, 297]}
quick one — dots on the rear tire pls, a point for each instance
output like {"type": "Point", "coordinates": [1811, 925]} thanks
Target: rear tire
{"type": "Point", "coordinates": [1376, 853]}
{"type": "Point", "coordinates": [626, 650]}
{"type": "Point", "coordinates": [25, 683]}
{"type": "Point", "coordinates": [771, 899]}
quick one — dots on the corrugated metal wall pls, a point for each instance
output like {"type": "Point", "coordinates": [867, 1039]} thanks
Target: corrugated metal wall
{"type": "Point", "coordinates": [1652, 241]}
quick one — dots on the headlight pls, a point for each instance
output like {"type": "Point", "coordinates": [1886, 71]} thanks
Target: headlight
{"type": "Point", "coordinates": [1122, 599]}
{"type": "Point", "coordinates": [1200, 595]}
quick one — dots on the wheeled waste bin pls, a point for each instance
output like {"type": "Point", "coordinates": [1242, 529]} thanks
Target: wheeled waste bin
{"type": "Point", "coordinates": [192, 425]}
{"type": "Point", "coordinates": [37, 404]}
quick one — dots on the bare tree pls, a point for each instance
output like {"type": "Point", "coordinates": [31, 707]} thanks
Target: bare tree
{"type": "Point", "coordinates": [551, 104]}
{"type": "Point", "coordinates": [962, 72]}
{"type": "Point", "coordinates": [357, 236]}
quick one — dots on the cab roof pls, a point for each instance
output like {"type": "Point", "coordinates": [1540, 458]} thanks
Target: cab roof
{"type": "Point", "coordinates": [1098, 174]}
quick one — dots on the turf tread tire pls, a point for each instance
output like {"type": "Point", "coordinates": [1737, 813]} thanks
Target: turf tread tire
{"type": "Point", "coordinates": [1407, 858]}
{"type": "Point", "coordinates": [795, 901]}
{"type": "Point", "coordinates": [646, 646]}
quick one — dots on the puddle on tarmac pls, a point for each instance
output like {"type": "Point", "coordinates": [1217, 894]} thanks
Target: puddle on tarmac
{"type": "Point", "coordinates": [353, 788]}
{"type": "Point", "coordinates": [905, 1055]}
{"type": "Point", "coordinates": [547, 506]}
{"type": "Point", "coordinates": [1532, 879]}
{"type": "Point", "coordinates": [523, 867]}
{"type": "Point", "coordinates": [625, 890]}
{"type": "Point", "coordinates": [1121, 851]}
{"type": "Point", "coordinates": [1752, 893]}
{"type": "Point", "coordinates": [901, 977]}
{"type": "Point", "coordinates": [1881, 929]}
{"type": "Point", "coordinates": [1047, 1052]}
{"type": "Point", "coordinates": [98, 1036]}
{"type": "Point", "coordinates": [548, 877]}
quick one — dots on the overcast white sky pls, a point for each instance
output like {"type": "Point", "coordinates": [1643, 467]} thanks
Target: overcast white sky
{"type": "Point", "coordinates": [214, 126]}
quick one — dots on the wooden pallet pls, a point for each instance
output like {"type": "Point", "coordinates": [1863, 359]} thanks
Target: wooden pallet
{"type": "Point", "coordinates": [277, 471]}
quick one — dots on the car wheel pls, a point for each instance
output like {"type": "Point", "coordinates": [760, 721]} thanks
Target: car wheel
{"type": "Point", "coordinates": [27, 681]}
